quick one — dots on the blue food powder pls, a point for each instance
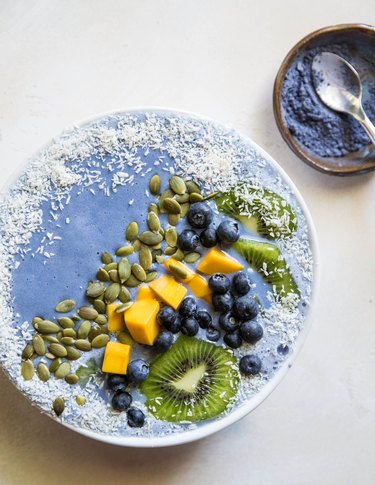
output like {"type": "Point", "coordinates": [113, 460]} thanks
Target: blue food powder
{"type": "Point", "coordinates": [314, 125]}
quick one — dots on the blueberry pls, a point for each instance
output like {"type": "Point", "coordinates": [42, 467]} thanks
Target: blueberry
{"type": "Point", "coordinates": [138, 370]}
{"type": "Point", "coordinates": [251, 331]}
{"type": "Point", "coordinates": [219, 283]}
{"type": "Point", "coordinates": [200, 215]}
{"type": "Point", "coordinates": [245, 308]}
{"type": "Point", "coordinates": [227, 322]}
{"type": "Point", "coordinates": [136, 418]}
{"type": "Point", "coordinates": [204, 318]}
{"type": "Point", "coordinates": [208, 237]}
{"type": "Point", "coordinates": [222, 303]}
{"type": "Point", "coordinates": [228, 232]}
{"type": "Point", "coordinates": [188, 307]}
{"type": "Point", "coordinates": [163, 341]}
{"type": "Point", "coordinates": [213, 333]}
{"type": "Point", "coordinates": [241, 284]}
{"type": "Point", "coordinates": [233, 339]}
{"type": "Point", "coordinates": [117, 382]}
{"type": "Point", "coordinates": [250, 365]}
{"type": "Point", "coordinates": [121, 401]}
{"type": "Point", "coordinates": [188, 240]}
{"type": "Point", "coordinates": [189, 326]}
{"type": "Point", "coordinates": [169, 319]}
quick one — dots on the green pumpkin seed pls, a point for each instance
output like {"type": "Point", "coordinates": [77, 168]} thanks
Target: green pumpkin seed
{"type": "Point", "coordinates": [137, 245]}
{"type": "Point", "coordinates": [54, 365]}
{"type": "Point", "coordinates": [172, 206]}
{"type": "Point", "coordinates": [58, 406]}
{"type": "Point", "coordinates": [39, 345]}
{"type": "Point", "coordinates": [160, 259]}
{"type": "Point", "coordinates": [153, 208]}
{"type": "Point", "coordinates": [27, 370]}
{"type": "Point", "coordinates": [145, 257]}
{"type": "Point", "coordinates": [179, 255]}
{"type": "Point", "coordinates": [94, 332]}
{"type": "Point", "coordinates": [34, 356]}
{"type": "Point", "coordinates": [59, 335]}
{"type": "Point", "coordinates": [113, 274]}
{"type": "Point", "coordinates": [46, 327]}
{"type": "Point", "coordinates": [88, 312]}
{"type": "Point", "coordinates": [110, 266]}
{"type": "Point", "coordinates": [36, 321]}
{"type": "Point", "coordinates": [101, 320]}
{"type": "Point", "coordinates": [95, 289]}
{"type": "Point", "coordinates": [62, 371]}
{"type": "Point", "coordinates": [156, 246]}
{"type": "Point", "coordinates": [73, 353]}
{"type": "Point", "coordinates": [43, 372]}
{"type": "Point", "coordinates": [76, 318]}
{"type": "Point", "coordinates": [211, 196]}
{"type": "Point", "coordinates": [151, 276]}
{"type": "Point", "coordinates": [177, 184]}
{"type": "Point", "coordinates": [155, 253]}
{"type": "Point", "coordinates": [185, 209]}
{"type": "Point", "coordinates": [112, 292]}
{"type": "Point", "coordinates": [192, 257]}
{"type": "Point", "coordinates": [80, 400]}
{"type": "Point", "coordinates": [67, 341]}
{"type": "Point", "coordinates": [125, 338]}
{"type": "Point", "coordinates": [177, 271]}
{"type": "Point", "coordinates": [50, 339]}
{"type": "Point", "coordinates": [150, 238]}
{"type": "Point", "coordinates": [100, 341]}
{"type": "Point", "coordinates": [194, 197]}
{"type": "Point", "coordinates": [171, 236]}
{"type": "Point", "coordinates": [50, 356]}
{"type": "Point", "coordinates": [69, 332]}
{"type": "Point", "coordinates": [131, 231]}
{"type": "Point", "coordinates": [106, 258]}
{"type": "Point", "coordinates": [57, 349]}
{"type": "Point", "coordinates": [125, 251]}
{"type": "Point", "coordinates": [155, 183]}
{"type": "Point", "coordinates": [166, 194]}
{"type": "Point", "coordinates": [65, 306]}
{"type": "Point", "coordinates": [132, 282]}
{"type": "Point", "coordinates": [138, 272]}
{"type": "Point", "coordinates": [66, 322]}
{"type": "Point", "coordinates": [99, 306]}
{"type": "Point", "coordinates": [153, 222]}
{"type": "Point", "coordinates": [102, 275]}
{"type": "Point", "coordinates": [124, 270]}
{"type": "Point", "coordinates": [192, 187]}
{"type": "Point", "coordinates": [84, 329]}
{"type": "Point", "coordinates": [71, 379]}
{"type": "Point", "coordinates": [27, 352]}
{"type": "Point", "coordinates": [169, 251]}
{"type": "Point", "coordinates": [124, 295]}
{"type": "Point", "coordinates": [174, 219]}
{"type": "Point", "coordinates": [182, 199]}
{"type": "Point", "coordinates": [83, 345]}
{"type": "Point", "coordinates": [125, 306]}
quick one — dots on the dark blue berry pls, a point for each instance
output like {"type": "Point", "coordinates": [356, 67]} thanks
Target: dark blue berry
{"type": "Point", "coordinates": [117, 382]}
{"type": "Point", "coordinates": [208, 237]}
{"type": "Point", "coordinates": [250, 365]}
{"type": "Point", "coordinates": [188, 240]}
{"type": "Point", "coordinates": [163, 341]}
{"type": "Point", "coordinates": [136, 418]}
{"type": "Point", "coordinates": [121, 401]}
{"type": "Point", "coordinates": [245, 308]}
{"type": "Point", "coordinates": [227, 322]}
{"type": "Point", "coordinates": [138, 371]}
{"type": "Point", "coordinates": [251, 331]}
{"type": "Point", "coordinates": [219, 283]}
{"type": "Point", "coordinates": [204, 318]}
{"type": "Point", "coordinates": [222, 303]}
{"type": "Point", "coordinates": [169, 319]}
{"type": "Point", "coordinates": [213, 334]}
{"type": "Point", "coordinates": [200, 215]}
{"type": "Point", "coordinates": [189, 326]}
{"type": "Point", "coordinates": [241, 284]}
{"type": "Point", "coordinates": [233, 339]}
{"type": "Point", "coordinates": [282, 349]}
{"type": "Point", "coordinates": [228, 232]}
{"type": "Point", "coordinates": [188, 307]}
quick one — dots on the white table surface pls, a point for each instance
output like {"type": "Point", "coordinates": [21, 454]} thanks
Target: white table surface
{"type": "Point", "coordinates": [61, 61]}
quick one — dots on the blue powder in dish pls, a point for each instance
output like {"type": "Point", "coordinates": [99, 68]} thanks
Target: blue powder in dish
{"type": "Point", "coordinates": [315, 126]}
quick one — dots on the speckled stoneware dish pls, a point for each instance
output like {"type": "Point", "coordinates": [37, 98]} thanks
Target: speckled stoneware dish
{"type": "Point", "coordinates": [361, 38]}
{"type": "Point", "coordinates": [73, 201]}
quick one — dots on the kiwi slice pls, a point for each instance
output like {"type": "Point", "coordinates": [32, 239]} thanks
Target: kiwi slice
{"type": "Point", "coordinates": [259, 209]}
{"type": "Point", "coordinates": [266, 258]}
{"type": "Point", "coordinates": [193, 381]}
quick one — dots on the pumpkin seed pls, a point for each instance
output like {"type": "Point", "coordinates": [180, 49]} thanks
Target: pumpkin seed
{"type": "Point", "coordinates": [50, 339]}
{"type": "Point", "coordinates": [99, 306]}
{"type": "Point", "coordinates": [54, 365]}
{"type": "Point", "coordinates": [101, 320]}
{"type": "Point", "coordinates": [110, 266]}
{"type": "Point", "coordinates": [76, 318]}
{"type": "Point", "coordinates": [125, 338]}
{"type": "Point", "coordinates": [88, 312]}
{"type": "Point", "coordinates": [95, 289]}
{"type": "Point", "coordinates": [192, 187]}
{"type": "Point", "coordinates": [145, 257]}
{"type": "Point", "coordinates": [194, 197]}
{"type": "Point", "coordinates": [84, 329]}
{"type": "Point", "coordinates": [122, 308]}
{"type": "Point", "coordinates": [27, 370]}
{"type": "Point", "coordinates": [177, 184]}
{"type": "Point", "coordinates": [66, 322]}
{"type": "Point", "coordinates": [155, 183]}
{"type": "Point", "coordinates": [182, 199]}
{"type": "Point", "coordinates": [94, 332]}
{"type": "Point", "coordinates": [102, 275]}
{"type": "Point", "coordinates": [124, 295]}
{"type": "Point", "coordinates": [179, 255]}
{"type": "Point", "coordinates": [153, 222]}
{"type": "Point", "coordinates": [177, 271]}
{"type": "Point", "coordinates": [138, 272]}
{"type": "Point", "coordinates": [113, 274]}
{"type": "Point", "coordinates": [185, 209]}
{"type": "Point", "coordinates": [69, 332]}
{"type": "Point", "coordinates": [124, 269]}
{"type": "Point", "coordinates": [151, 276]}
{"type": "Point", "coordinates": [211, 196]}
{"type": "Point", "coordinates": [83, 345]}
{"type": "Point", "coordinates": [65, 306]}
{"type": "Point", "coordinates": [72, 379]}
{"type": "Point", "coordinates": [174, 219]}
{"type": "Point", "coordinates": [39, 345]}
{"type": "Point", "coordinates": [106, 258]}
{"type": "Point", "coordinates": [171, 236]}
{"type": "Point", "coordinates": [36, 321]}
{"type": "Point", "coordinates": [150, 238]}
{"type": "Point", "coordinates": [27, 352]}
{"type": "Point", "coordinates": [160, 259]}
{"type": "Point", "coordinates": [111, 293]}
{"type": "Point", "coordinates": [156, 246]}
{"type": "Point", "coordinates": [57, 349]}
{"type": "Point", "coordinates": [43, 372]}
{"type": "Point", "coordinates": [50, 356]}
{"type": "Point", "coordinates": [192, 257]}
{"type": "Point", "coordinates": [80, 400]}
{"type": "Point", "coordinates": [131, 231]}
{"type": "Point", "coordinates": [153, 208]}
{"type": "Point", "coordinates": [172, 206]}
{"type": "Point", "coordinates": [100, 341]}
{"type": "Point", "coordinates": [125, 250]}
{"type": "Point", "coordinates": [34, 356]}
{"type": "Point", "coordinates": [58, 406]}
{"type": "Point", "coordinates": [46, 327]}
{"type": "Point", "coordinates": [73, 353]}
{"type": "Point", "coordinates": [62, 371]}
{"type": "Point", "coordinates": [169, 251]}
{"type": "Point", "coordinates": [137, 245]}
{"type": "Point", "coordinates": [67, 340]}
{"type": "Point", "coordinates": [167, 193]}
{"type": "Point", "coordinates": [132, 282]}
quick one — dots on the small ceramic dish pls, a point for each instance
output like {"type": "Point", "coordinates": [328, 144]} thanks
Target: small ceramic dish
{"type": "Point", "coordinates": [361, 37]}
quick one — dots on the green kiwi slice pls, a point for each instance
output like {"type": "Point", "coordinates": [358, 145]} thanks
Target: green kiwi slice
{"type": "Point", "coordinates": [193, 381]}
{"type": "Point", "coordinates": [266, 258]}
{"type": "Point", "coordinates": [259, 209]}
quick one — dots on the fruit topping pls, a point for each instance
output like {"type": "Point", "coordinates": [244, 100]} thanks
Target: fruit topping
{"type": "Point", "coordinates": [245, 308]}
{"type": "Point", "coordinates": [121, 401]}
{"type": "Point", "coordinates": [188, 307]}
{"type": "Point", "coordinates": [136, 418]}
{"type": "Point", "coordinates": [189, 326]}
{"type": "Point", "coordinates": [117, 382]}
{"type": "Point", "coordinates": [251, 331]}
{"type": "Point", "coordinates": [163, 341]}
{"type": "Point", "coordinates": [204, 318]}
{"type": "Point", "coordinates": [169, 319]}
{"type": "Point", "coordinates": [116, 358]}
{"type": "Point", "coordinates": [200, 215]}
{"type": "Point", "coordinates": [250, 365]}
{"type": "Point", "coordinates": [188, 240]}
{"type": "Point", "coordinates": [115, 320]}
{"type": "Point", "coordinates": [227, 322]}
{"type": "Point", "coordinates": [179, 270]}
{"type": "Point", "coordinates": [228, 232]}
{"type": "Point", "coordinates": [216, 261]}
{"type": "Point", "coordinates": [138, 371]}
{"type": "Point", "coordinates": [233, 339]}
{"type": "Point", "coordinates": [241, 284]}
{"type": "Point", "coordinates": [199, 287]}
{"type": "Point", "coordinates": [168, 290]}
{"type": "Point", "coordinates": [219, 283]}
{"type": "Point", "coordinates": [145, 293]}
{"type": "Point", "coordinates": [208, 237]}
{"type": "Point", "coordinates": [222, 302]}
{"type": "Point", "coordinates": [213, 334]}
{"type": "Point", "coordinates": [140, 320]}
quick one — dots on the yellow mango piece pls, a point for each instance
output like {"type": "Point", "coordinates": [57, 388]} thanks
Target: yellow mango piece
{"type": "Point", "coordinates": [216, 261]}
{"type": "Point", "coordinates": [199, 287]}
{"type": "Point", "coordinates": [116, 358]}
{"type": "Point", "coordinates": [145, 292]}
{"type": "Point", "coordinates": [168, 290]}
{"type": "Point", "coordinates": [141, 322]}
{"type": "Point", "coordinates": [190, 272]}
{"type": "Point", "coordinates": [115, 320]}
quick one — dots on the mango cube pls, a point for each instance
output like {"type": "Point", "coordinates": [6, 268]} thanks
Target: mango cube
{"type": "Point", "coordinates": [145, 292]}
{"type": "Point", "coordinates": [115, 320]}
{"type": "Point", "coordinates": [141, 321]}
{"type": "Point", "coordinates": [116, 358]}
{"type": "Point", "coordinates": [217, 261]}
{"type": "Point", "coordinates": [182, 266]}
{"type": "Point", "coordinates": [199, 287]}
{"type": "Point", "coordinates": [168, 290]}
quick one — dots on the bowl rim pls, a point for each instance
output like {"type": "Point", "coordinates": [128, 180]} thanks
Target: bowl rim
{"type": "Point", "coordinates": [237, 414]}
{"type": "Point", "coordinates": [315, 161]}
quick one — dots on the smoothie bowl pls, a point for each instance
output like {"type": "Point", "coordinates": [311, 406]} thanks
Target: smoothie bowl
{"type": "Point", "coordinates": [157, 272]}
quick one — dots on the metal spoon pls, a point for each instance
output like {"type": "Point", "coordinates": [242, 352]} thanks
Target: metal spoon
{"type": "Point", "coordinates": [339, 87]}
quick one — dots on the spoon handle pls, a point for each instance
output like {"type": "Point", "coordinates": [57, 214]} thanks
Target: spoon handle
{"type": "Point", "coordinates": [368, 126]}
